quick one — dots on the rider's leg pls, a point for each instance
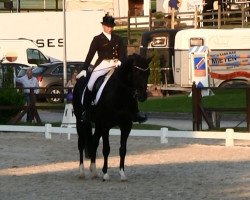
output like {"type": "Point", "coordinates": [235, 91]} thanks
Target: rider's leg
{"type": "Point", "coordinates": [100, 70]}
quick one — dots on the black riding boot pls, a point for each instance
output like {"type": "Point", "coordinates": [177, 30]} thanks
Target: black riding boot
{"type": "Point", "coordinates": [138, 116]}
{"type": "Point", "coordinates": [87, 105]}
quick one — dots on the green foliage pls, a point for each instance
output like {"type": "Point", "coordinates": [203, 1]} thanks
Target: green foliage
{"type": "Point", "coordinates": [175, 103]}
{"type": "Point", "coordinates": [10, 97]}
{"type": "Point", "coordinates": [229, 98]}
{"type": "Point", "coordinates": [155, 69]}
{"type": "Point", "coordinates": [159, 15]}
{"type": "Point", "coordinates": [223, 98]}
{"type": "Point", "coordinates": [7, 77]}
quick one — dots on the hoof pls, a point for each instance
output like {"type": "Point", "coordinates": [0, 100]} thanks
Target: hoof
{"type": "Point", "coordinates": [94, 176]}
{"type": "Point", "coordinates": [82, 176]}
{"type": "Point", "coordinates": [82, 173]}
{"type": "Point", "coordinates": [93, 171]}
{"type": "Point", "coordinates": [106, 177]}
{"type": "Point", "coordinates": [123, 176]}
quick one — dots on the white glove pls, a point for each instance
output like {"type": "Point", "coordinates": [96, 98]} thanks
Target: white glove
{"type": "Point", "coordinates": [82, 73]}
{"type": "Point", "coordinates": [118, 63]}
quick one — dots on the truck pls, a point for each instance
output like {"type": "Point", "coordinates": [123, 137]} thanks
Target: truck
{"type": "Point", "coordinates": [22, 51]}
{"type": "Point", "coordinates": [49, 29]}
{"type": "Point", "coordinates": [18, 54]}
{"type": "Point", "coordinates": [225, 54]}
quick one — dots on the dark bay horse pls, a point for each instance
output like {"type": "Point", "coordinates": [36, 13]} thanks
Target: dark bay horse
{"type": "Point", "coordinates": [113, 109]}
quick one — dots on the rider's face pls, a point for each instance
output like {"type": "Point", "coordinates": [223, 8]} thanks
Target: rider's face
{"type": "Point", "coordinates": [107, 29]}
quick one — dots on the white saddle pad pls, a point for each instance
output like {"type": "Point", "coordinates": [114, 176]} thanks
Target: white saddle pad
{"type": "Point", "coordinates": [99, 92]}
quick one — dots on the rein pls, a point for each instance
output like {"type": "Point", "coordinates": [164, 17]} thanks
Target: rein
{"type": "Point", "coordinates": [141, 68]}
{"type": "Point", "coordinates": [135, 66]}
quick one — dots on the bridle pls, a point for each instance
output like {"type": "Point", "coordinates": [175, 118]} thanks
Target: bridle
{"type": "Point", "coordinates": [135, 91]}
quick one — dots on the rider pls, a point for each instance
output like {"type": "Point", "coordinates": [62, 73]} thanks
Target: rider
{"type": "Point", "coordinates": [111, 52]}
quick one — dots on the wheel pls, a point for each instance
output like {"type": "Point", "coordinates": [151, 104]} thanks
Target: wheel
{"type": "Point", "coordinates": [164, 92]}
{"type": "Point", "coordinates": [234, 84]}
{"type": "Point", "coordinates": [56, 91]}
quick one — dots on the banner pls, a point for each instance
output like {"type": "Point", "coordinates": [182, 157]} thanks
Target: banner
{"type": "Point", "coordinates": [199, 69]}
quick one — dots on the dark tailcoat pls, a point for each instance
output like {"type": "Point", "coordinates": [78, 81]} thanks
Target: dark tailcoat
{"type": "Point", "coordinates": [106, 49]}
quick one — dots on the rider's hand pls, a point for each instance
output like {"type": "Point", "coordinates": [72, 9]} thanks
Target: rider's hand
{"type": "Point", "coordinates": [82, 73]}
{"type": "Point", "coordinates": [117, 63]}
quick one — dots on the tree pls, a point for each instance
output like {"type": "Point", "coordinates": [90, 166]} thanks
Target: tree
{"type": "Point", "coordinates": [9, 96]}
{"type": "Point", "coordinates": [155, 68]}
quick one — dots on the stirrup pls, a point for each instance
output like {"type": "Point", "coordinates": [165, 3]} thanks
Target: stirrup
{"type": "Point", "coordinates": [84, 117]}
{"type": "Point", "coordinates": [141, 118]}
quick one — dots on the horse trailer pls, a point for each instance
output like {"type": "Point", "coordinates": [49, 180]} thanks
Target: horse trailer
{"type": "Point", "coordinates": [228, 56]}
{"type": "Point", "coordinates": [162, 41]}
{"type": "Point", "coordinates": [225, 53]}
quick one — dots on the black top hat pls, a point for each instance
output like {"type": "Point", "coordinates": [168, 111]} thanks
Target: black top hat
{"type": "Point", "coordinates": [108, 21]}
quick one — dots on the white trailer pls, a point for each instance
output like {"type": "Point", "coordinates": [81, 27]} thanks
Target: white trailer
{"type": "Point", "coordinates": [228, 58]}
{"type": "Point", "coordinates": [47, 30]}
{"type": "Point", "coordinates": [21, 51]}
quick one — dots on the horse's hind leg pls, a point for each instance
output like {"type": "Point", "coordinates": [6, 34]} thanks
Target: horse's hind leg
{"type": "Point", "coordinates": [88, 139]}
{"type": "Point", "coordinates": [95, 144]}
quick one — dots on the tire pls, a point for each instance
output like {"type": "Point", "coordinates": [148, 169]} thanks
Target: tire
{"type": "Point", "coordinates": [54, 90]}
{"type": "Point", "coordinates": [234, 84]}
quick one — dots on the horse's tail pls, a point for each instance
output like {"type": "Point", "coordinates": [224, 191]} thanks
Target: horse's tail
{"type": "Point", "coordinates": [84, 129]}
{"type": "Point", "coordinates": [77, 96]}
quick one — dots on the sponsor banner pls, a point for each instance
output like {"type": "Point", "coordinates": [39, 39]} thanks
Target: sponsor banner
{"type": "Point", "coordinates": [198, 65]}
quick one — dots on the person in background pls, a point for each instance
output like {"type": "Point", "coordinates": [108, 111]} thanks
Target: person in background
{"type": "Point", "coordinates": [111, 52]}
{"type": "Point", "coordinates": [71, 83]}
{"type": "Point", "coordinates": [29, 81]}
{"type": "Point", "coordinates": [172, 5]}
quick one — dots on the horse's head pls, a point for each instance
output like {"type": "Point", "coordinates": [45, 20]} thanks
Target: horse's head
{"type": "Point", "coordinates": [138, 75]}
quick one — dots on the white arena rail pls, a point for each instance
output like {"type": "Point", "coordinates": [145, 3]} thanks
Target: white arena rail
{"type": "Point", "coordinates": [229, 135]}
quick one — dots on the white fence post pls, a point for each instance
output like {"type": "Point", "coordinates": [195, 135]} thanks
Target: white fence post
{"type": "Point", "coordinates": [47, 131]}
{"type": "Point", "coordinates": [229, 137]}
{"type": "Point", "coordinates": [164, 138]}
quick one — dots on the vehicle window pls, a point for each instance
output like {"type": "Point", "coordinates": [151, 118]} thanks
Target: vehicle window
{"type": "Point", "coordinates": [36, 57]}
{"type": "Point", "coordinates": [17, 67]}
{"type": "Point", "coordinates": [72, 67]}
{"type": "Point", "coordinates": [22, 72]}
{"type": "Point", "coordinates": [58, 70]}
{"type": "Point", "coordinates": [159, 41]}
{"type": "Point", "coordinates": [39, 70]}
{"type": "Point", "coordinates": [196, 42]}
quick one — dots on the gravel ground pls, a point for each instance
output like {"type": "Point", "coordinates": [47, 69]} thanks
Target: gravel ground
{"type": "Point", "coordinates": [32, 167]}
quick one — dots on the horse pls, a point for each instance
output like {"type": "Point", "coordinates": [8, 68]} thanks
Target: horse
{"type": "Point", "coordinates": [127, 82]}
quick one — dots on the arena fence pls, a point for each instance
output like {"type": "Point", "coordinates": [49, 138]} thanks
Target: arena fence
{"type": "Point", "coordinates": [229, 135]}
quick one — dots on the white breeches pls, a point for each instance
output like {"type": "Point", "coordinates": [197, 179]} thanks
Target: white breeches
{"type": "Point", "coordinates": [104, 67]}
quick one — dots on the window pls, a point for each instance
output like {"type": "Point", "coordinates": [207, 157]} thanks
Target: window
{"type": "Point", "coordinates": [196, 42]}
{"type": "Point", "coordinates": [159, 42]}
{"type": "Point", "coordinates": [36, 57]}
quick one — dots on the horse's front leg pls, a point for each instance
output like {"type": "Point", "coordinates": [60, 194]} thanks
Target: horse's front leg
{"type": "Point", "coordinates": [105, 152]}
{"type": "Point", "coordinates": [123, 149]}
